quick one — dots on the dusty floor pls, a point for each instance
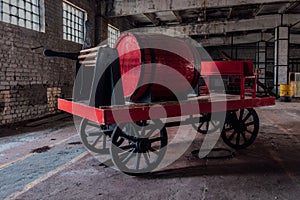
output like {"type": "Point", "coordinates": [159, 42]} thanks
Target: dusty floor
{"type": "Point", "coordinates": [61, 168]}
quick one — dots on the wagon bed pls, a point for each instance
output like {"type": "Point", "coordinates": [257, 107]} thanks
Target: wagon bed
{"type": "Point", "coordinates": [135, 134]}
{"type": "Point", "coordinates": [140, 111]}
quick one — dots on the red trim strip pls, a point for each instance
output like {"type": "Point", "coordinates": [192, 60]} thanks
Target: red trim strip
{"type": "Point", "coordinates": [136, 112]}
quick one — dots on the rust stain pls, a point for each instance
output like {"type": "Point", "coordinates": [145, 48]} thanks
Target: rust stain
{"type": "Point", "coordinates": [74, 143]}
{"type": "Point", "coordinates": [41, 149]}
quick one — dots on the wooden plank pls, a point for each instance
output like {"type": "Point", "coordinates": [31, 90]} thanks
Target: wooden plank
{"type": "Point", "coordinates": [87, 56]}
{"type": "Point", "coordinates": [88, 62]}
{"type": "Point", "coordinates": [90, 50]}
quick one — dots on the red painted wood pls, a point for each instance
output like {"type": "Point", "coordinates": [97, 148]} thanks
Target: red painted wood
{"type": "Point", "coordinates": [138, 114]}
{"type": "Point", "coordinates": [91, 113]}
{"type": "Point", "coordinates": [141, 112]}
{"type": "Point", "coordinates": [145, 55]}
{"type": "Point", "coordinates": [227, 68]}
{"type": "Point", "coordinates": [242, 69]}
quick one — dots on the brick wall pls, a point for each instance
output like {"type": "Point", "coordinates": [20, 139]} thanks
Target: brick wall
{"type": "Point", "coordinates": [29, 82]}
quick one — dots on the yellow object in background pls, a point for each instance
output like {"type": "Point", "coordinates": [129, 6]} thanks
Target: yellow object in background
{"type": "Point", "coordinates": [286, 92]}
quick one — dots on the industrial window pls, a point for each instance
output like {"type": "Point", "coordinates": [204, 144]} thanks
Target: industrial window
{"type": "Point", "coordinates": [113, 34]}
{"type": "Point", "coordinates": [25, 13]}
{"type": "Point", "coordinates": [73, 22]}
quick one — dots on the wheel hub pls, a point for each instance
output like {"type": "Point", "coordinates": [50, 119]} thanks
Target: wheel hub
{"type": "Point", "coordinates": [143, 145]}
{"type": "Point", "coordinates": [241, 126]}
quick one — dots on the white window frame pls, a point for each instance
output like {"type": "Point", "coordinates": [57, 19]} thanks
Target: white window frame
{"type": "Point", "coordinates": [112, 38]}
{"type": "Point", "coordinates": [69, 23]}
{"type": "Point", "coordinates": [16, 12]}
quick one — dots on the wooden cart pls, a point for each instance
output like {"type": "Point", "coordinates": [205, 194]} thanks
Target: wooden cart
{"type": "Point", "coordinates": [135, 134]}
{"type": "Point", "coordinates": [128, 136]}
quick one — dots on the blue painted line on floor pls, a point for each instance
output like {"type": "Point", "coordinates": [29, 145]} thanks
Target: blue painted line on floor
{"type": "Point", "coordinates": [15, 177]}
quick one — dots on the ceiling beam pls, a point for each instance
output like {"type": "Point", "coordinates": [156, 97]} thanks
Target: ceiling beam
{"type": "Point", "coordinates": [217, 28]}
{"type": "Point", "coordinates": [288, 6]}
{"type": "Point", "coordinates": [261, 7]}
{"type": "Point", "coordinates": [152, 18]}
{"type": "Point", "coordinates": [177, 15]}
{"type": "Point", "coordinates": [243, 39]}
{"type": "Point", "coordinates": [239, 39]}
{"type": "Point", "coordinates": [133, 7]}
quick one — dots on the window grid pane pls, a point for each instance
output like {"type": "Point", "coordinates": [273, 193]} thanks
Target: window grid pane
{"type": "Point", "coordinates": [113, 34]}
{"type": "Point", "coordinates": [73, 23]}
{"type": "Point", "coordinates": [25, 13]}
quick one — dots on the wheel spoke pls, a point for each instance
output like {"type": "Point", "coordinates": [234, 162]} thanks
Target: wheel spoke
{"type": "Point", "coordinates": [207, 126]}
{"type": "Point", "coordinates": [146, 159]}
{"type": "Point", "coordinates": [96, 141]}
{"type": "Point", "coordinates": [238, 139]}
{"type": "Point", "coordinates": [214, 123]}
{"type": "Point", "coordinates": [244, 137]}
{"type": "Point", "coordinates": [128, 157]}
{"type": "Point", "coordinates": [235, 116]}
{"type": "Point", "coordinates": [155, 140]}
{"type": "Point", "coordinates": [137, 161]}
{"type": "Point", "coordinates": [130, 146]}
{"type": "Point", "coordinates": [104, 141]}
{"type": "Point", "coordinates": [232, 136]}
{"type": "Point", "coordinates": [93, 124]}
{"type": "Point", "coordinates": [247, 117]}
{"type": "Point", "coordinates": [250, 123]}
{"type": "Point", "coordinates": [133, 130]}
{"type": "Point", "coordinates": [251, 132]}
{"type": "Point", "coordinates": [154, 151]}
{"type": "Point", "coordinates": [228, 129]}
{"type": "Point", "coordinates": [241, 114]}
{"type": "Point", "coordinates": [94, 133]}
{"type": "Point", "coordinates": [143, 131]}
{"type": "Point", "coordinates": [150, 133]}
{"type": "Point", "coordinates": [201, 124]}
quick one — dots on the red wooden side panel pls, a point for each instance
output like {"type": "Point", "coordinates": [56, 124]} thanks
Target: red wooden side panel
{"type": "Point", "coordinates": [226, 68]}
{"type": "Point", "coordinates": [91, 113]}
{"type": "Point", "coordinates": [184, 109]}
{"type": "Point", "coordinates": [137, 112]}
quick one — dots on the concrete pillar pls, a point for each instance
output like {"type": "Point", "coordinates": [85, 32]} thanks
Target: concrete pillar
{"type": "Point", "coordinates": [261, 60]}
{"type": "Point", "coordinates": [281, 57]}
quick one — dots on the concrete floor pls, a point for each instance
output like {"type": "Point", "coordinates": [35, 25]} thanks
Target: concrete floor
{"type": "Point", "coordinates": [63, 169]}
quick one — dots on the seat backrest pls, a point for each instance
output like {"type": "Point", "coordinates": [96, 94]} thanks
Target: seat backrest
{"type": "Point", "coordinates": [88, 57]}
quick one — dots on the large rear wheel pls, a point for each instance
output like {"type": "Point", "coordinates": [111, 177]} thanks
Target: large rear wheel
{"type": "Point", "coordinates": [241, 128]}
{"type": "Point", "coordinates": [143, 148]}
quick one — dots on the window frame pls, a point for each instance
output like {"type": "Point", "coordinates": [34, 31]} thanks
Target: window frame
{"type": "Point", "coordinates": [16, 12]}
{"type": "Point", "coordinates": [68, 23]}
{"type": "Point", "coordinates": [112, 40]}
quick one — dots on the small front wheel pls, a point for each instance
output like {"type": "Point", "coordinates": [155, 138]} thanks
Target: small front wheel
{"type": "Point", "coordinates": [95, 137]}
{"type": "Point", "coordinates": [206, 124]}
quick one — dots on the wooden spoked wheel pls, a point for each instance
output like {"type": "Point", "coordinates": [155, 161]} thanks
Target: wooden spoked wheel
{"type": "Point", "coordinates": [144, 146]}
{"type": "Point", "coordinates": [206, 124]}
{"type": "Point", "coordinates": [241, 128]}
{"type": "Point", "coordinates": [95, 137]}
